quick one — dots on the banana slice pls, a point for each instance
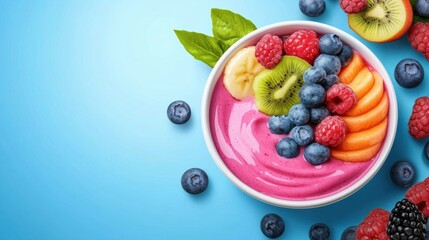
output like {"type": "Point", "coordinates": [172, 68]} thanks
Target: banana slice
{"type": "Point", "coordinates": [240, 72]}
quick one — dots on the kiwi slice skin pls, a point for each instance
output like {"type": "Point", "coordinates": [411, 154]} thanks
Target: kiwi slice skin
{"type": "Point", "coordinates": [276, 90]}
{"type": "Point", "coordinates": [382, 20]}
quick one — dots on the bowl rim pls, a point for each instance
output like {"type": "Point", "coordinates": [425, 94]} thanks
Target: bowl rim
{"type": "Point", "coordinates": [293, 26]}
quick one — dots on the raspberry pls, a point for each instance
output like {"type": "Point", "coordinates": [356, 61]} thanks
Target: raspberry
{"type": "Point", "coordinates": [419, 195]}
{"type": "Point", "coordinates": [303, 44]}
{"type": "Point", "coordinates": [269, 50]}
{"type": "Point", "coordinates": [340, 98]}
{"type": "Point", "coordinates": [331, 131]}
{"type": "Point", "coordinates": [418, 125]}
{"type": "Point", "coordinates": [418, 35]}
{"type": "Point", "coordinates": [353, 6]}
{"type": "Point", "coordinates": [374, 226]}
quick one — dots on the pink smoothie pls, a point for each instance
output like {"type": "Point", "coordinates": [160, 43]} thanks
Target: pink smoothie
{"type": "Point", "coordinates": [247, 147]}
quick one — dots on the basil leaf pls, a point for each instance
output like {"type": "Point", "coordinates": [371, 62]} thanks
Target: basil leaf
{"type": "Point", "coordinates": [228, 26]}
{"type": "Point", "coordinates": [202, 47]}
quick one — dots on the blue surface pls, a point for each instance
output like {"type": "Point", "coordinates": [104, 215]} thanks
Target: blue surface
{"type": "Point", "coordinates": [86, 149]}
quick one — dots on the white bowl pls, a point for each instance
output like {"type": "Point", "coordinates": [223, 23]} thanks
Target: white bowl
{"type": "Point", "coordinates": [284, 28]}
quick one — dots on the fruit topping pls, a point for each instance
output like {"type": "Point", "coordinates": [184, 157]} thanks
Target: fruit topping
{"type": "Point", "coordinates": [179, 112]}
{"type": "Point", "coordinates": [194, 181]}
{"type": "Point", "coordinates": [409, 73]}
{"type": "Point", "coordinates": [316, 154]}
{"type": "Point", "coordinates": [330, 44]}
{"type": "Point", "coordinates": [280, 124]}
{"type": "Point", "coordinates": [331, 131]}
{"type": "Point", "coordinates": [272, 225]}
{"type": "Point", "coordinates": [369, 89]}
{"type": "Point", "coordinates": [330, 80]}
{"type": "Point", "coordinates": [314, 75]}
{"type": "Point", "coordinates": [345, 55]}
{"type": "Point", "coordinates": [277, 90]}
{"type": "Point", "coordinates": [312, 95]}
{"type": "Point", "coordinates": [312, 8]}
{"type": "Point", "coordinates": [302, 135]}
{"type": "Point", "coordinates": [287, 148]}
{"type": "Point", "coordinates": [422, 7]}
{"type": "Point", "coordinates": [406, 221]}
{"type": "Point", "coordinates": [382, 20]}
{"type": "Point", "coordinates": [299, 114]}
{"type": "Point", "coordinates": [418, 35]}
{"type": "Point", "coordinates": [318, 114]}
{"type": "Point", "coordinates": [303, 44]}
{"type": "Point", "coordinates": [360, 155]}
{"type": "Point", "coordinates": [349, 233]}
{"type": "Point", "coordinates": [319, 231]}
{"type": "Point", "coordinates": [349, 72]}
{"type": "Point", "coordinates": [419, 195]}
{"type": "Point", "coordinates": [353, 6]}
{"type": "Point", "coordinates": [340, 98]}
{"type": "Point", "coordinates": [418, 124]}
{"type": "Point", "coordinates": [402, 174]}
{"type": "Point", "coordinates": [331, 63]}
{"type": "Point", "coordinates": [374, 226]}
{"type": "Point", "coordinates": [269, 50]}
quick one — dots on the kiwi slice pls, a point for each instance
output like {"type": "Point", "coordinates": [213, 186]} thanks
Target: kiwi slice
{"type": "Point", "coordinates": [382, 20]}
{"type": "Point", "coordinates": [276, 90]}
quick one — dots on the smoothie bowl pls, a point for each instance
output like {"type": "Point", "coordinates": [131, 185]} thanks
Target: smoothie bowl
{"type": "Point", "coordinates": [289, 135]}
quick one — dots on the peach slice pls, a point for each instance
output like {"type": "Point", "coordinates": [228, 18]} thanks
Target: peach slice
{"type": "Point", "coordinates": [362, 83]}
{"type": "Point", "coordinates": [361, 155]}
{"type": "Point", "coordinates": [349, 72]}
{"type": "Point", "coordinates": [369, 100]}
{"type": "Point", "coordinates": [365, 138]}
{"type": "Point", "coordinates": [370, 118]}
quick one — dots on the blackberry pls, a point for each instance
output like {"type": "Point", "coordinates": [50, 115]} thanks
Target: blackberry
{"type": "Point", "coordinates": [406, 222]}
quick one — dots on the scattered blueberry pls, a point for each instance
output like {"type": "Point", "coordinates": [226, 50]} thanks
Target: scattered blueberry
{"type": "Point", "coordinates": [299, 114]}
{"type": "Point", "coordinates": [312, 95]}
{"type": "Point", "coordinates": [272, 225]}
{"type": "Point", "coordinates": [302, 135]}
{"type": "Point", "coordinates": [318, 114]}
{"type": "Point", "coordinates": [402, 174]}
{"type": "Point", "coordinates": [319, 231]}
{"type": "Point", "coordinates": [426, 150]}
{"type": "Point", "coordinates": [330, 80]}
{"type": "Point", "coordinates": [331, 63]}
{"type": "Point", "coordinates": [287, 148]}
{"type": "Point", "coordinates": [312, 8]}
{"type": "Point", "coordinates": [409, 73]}
{"type": "Point", "coordinates": [195, 181]}
{"type": "Point", "coordinates": [178, 112]}
{"type": "Point", "coordinates": [330, 44]}
{"type": "Point", "coordinates": [280, 124]}
{"type": "Point", "coordinates": [345, 55]}
{"type": "Point", "coordinates": [314, 75]}
{"type": "Point", "coordinates": [422, 7]}
{"type": "Point", "coordinates": [349, 233]}
{"type": "Point", "coordinates": [316, 153]}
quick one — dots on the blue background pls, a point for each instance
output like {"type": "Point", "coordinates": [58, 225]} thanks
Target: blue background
{"type": "Point", "coordinates": [87, 151]}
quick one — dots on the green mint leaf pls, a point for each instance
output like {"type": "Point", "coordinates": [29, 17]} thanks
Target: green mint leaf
{"type": "Point", "coordinates": [229, 26]}
{"type": "Point", "coordinates": [202, 47]}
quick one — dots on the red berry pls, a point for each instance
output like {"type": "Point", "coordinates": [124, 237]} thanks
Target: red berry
{"type": "Point", "coordinates": [418, 125]}
{"type": "Point", "coordinates": [269, 50]}
{"type": "Point", "coordinates": [419, 195]}
{"type": "Point", "coordinates": [331, 131]}
{"type": "Point", "coordinates": [340, 98]}
{"type": "Point", "coordinates": [374, 226]}
{"type": "Point", "coordinates": [303, 44]}
{"type": "Point", "coordinates": [353, 6]}
{"type": "Point", "coordinates": [418, 35]}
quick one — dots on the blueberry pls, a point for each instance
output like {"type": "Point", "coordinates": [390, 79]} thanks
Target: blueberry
{"type": "Point", "coordinates": [319, 231]}
{"type": "Point", "coordinates": [314, 75]}
{"type": "Point", "coordinates": [287, 148]}
{"type": "Point", "coordinates": [312, 8]}
{"type": "Point", "coordinates": [312, 95]}
{"type": "Point", "coordinates": [194, 181]}
{"type": "Point", "coordinates": [280, 124]}
{"type": "Point", "coordinates": [331, 63]}
{"type": "Point", "coordinates": [330, 80]}
{"type": "Point", "coordinates": [409, 73]}
{"type": "Point", "coordinates": [316, 153]}
{"type": "Point", "coordinates": [349, 233]}
{"type": "Point", "coordinates": [178, 112]}
{"type": "Point", "coordinates": [422, 7]}
{"type": "Point", "coordinates": [330, 44]}
{"type": "Point", "coordinates": [345, 55]}
{"type": "Point", "coordinates": [318, 114]}
{"type": "Point", "coordinates": [299, 114]}
{"type": "Point", "coordinates": [402, 174]}
{"type": "Point", "coordinates": [426, 150]}
{"type": "Point", "coordinates": [302, 135]}
{"type": "Point", "coordinates": [272, 225]}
